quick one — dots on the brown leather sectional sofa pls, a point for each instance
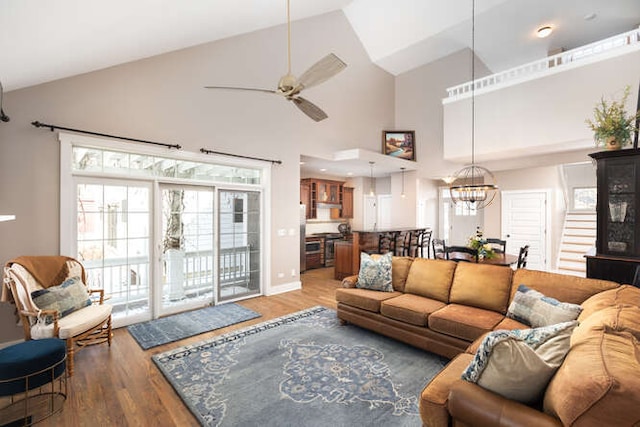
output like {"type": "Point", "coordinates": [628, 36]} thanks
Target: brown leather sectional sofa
{"type": "Point", "coordinates": [446, 308]}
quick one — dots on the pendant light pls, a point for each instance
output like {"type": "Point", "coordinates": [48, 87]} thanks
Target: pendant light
{"type": "Point", "coordinates": [473, 185]}
{"type": "Point", "coordinates": [402, 194]}
{"type": "Point", "coordinates": [372, 183]}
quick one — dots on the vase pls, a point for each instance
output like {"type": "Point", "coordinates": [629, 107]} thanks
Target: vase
{"type": "Point", "coordinates": [611, 143]}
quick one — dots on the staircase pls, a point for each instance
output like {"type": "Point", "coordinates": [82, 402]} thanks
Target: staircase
{"type": "Point", "coordinates": [578, 237]}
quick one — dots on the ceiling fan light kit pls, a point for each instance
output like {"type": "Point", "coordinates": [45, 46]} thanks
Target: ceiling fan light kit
{"type": "Point", "coordinates": [290, 87]}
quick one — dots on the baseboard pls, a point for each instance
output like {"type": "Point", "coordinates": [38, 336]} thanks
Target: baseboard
{"type": "Point", "coordinates": [285, 287]}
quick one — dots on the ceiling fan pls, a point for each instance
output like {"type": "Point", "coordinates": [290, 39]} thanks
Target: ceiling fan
{"type": "Point", "coordinates": [290, 87]}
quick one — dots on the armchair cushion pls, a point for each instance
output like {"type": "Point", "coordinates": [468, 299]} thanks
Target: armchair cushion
{"type": "Point", "coordinates": [65, 298]}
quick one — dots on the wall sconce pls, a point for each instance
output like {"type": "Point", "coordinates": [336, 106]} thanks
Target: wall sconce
{"type": "Point", "coordinates": [402, 194]}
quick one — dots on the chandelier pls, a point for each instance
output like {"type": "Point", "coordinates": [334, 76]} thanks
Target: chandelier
{"type": "Point", "coordinates": [473, 184]}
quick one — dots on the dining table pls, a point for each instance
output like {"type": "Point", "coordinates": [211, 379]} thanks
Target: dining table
{"type": "Point", "coordinates": [497, 259]}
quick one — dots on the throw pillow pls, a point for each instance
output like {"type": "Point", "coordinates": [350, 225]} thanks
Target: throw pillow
{"type": "Point", "coordinates": [519, 364]}
{"type": "Point", "coordinates": [375, 274]}
{"type": "Point", "coordinates": [69, 296]}
{"type": "Point", "coordinates": [535, 309]}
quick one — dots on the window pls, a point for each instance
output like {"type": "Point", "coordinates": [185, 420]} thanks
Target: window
{"type": "Point", "coordinates": [584, 198]}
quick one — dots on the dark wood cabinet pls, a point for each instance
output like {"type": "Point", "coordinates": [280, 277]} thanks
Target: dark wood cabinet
{"type": "Point", "coordinates": [618, 212]}
{"type": "Point", "coordinates": [343, 266]}
{"type": "Point", "coordinates": [322, 191]}
{"type": "Point", "coordinates": [305, 198]}
{"type": "Point", "coordinates": [347, 202]}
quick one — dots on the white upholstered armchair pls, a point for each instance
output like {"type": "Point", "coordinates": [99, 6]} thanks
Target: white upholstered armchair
{"type": "Point", "coordinates": [52, 300]}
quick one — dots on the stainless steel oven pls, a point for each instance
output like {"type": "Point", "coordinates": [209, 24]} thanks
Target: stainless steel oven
{"type": "Point", "coordinates": [313, 246]}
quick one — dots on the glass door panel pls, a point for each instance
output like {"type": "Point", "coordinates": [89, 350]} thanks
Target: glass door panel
{"type": "Point", "coordinates": [187, 248]}
{"type": "Point", "coordinates": [113, 240]}
{"type": "Point", "coordinates": [239, 244]}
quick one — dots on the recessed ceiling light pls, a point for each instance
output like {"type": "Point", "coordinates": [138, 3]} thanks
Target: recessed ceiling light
{"type": "Point", "coordinates": [544, 31]}
{"type": "Point", "coordinates": [302, 163]}
{"type": "Point", "coordinates": [323, 170]}
{"type": "Point", "coordinates": [589, 16]}
{"type": "Point", "coordinates": [349, 173]}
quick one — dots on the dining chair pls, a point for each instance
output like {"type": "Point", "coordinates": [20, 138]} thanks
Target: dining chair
{"type": "Point", "coordinates": [439, 248]}
{"type": "Point", "coordinates": [522, 256]}
{"type": "Point", "coordinates": [461, 253]}
{"type": "Point", "coordinates": [424, 243]}
{"type": "Point", "coordinates": [498, 245]}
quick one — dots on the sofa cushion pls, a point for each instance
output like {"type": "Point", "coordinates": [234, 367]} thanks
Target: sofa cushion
{"type": "Point", "coordinates": [510, 324]}
{"type": "Point", "coordinates": [433, 399]}
{"type": "Point", "coordinates": [562, 287]}
{"type": "Point", "coordinates": [534, 308]}
{"type": "Point", "coordinates": [464, 322]}
{"type": "Point", "coordinates": [409, 308]}
{"type": "Point", "coordinates": [375, 274]}
{"type": "Point", "coordinates": [619, 318]}
{"type": "Point", "coordinates": [625, 294]}
{"type": "Point", "coordinates": [482, 286]}
{"type": "Point", "coordinates": [363, 298]}
{"type": "Point", "coordinates": [598, 383]}
{"type": "Point", "coordinates": [430, 278]}
{"type": "Point", "coordinates": [518, 364]}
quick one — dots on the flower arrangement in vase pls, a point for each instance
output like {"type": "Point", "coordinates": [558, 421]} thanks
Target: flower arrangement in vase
{"type": "Point", "coordinates": [612, 126]}
{"type": "Point", "coordinates": [479, 243]}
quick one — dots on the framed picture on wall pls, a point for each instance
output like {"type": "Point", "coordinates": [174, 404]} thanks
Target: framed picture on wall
{"type": "Point", "coordinates": [399, 143]}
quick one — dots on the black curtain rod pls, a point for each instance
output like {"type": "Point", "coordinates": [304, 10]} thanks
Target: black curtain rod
{"type": "Point", "coordinates": [205, 151]}
{"type": "Point", "coordinates": [52, 127]}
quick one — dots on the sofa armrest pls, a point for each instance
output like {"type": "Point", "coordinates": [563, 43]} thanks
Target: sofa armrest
{"type": "Point", "coordinates": [350, 281]}
{"type": "Point", "coordinates": [474, 405]}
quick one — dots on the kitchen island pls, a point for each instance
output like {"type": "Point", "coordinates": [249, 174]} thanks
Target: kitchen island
{"type": "Point", "coordinates": [348, 252]}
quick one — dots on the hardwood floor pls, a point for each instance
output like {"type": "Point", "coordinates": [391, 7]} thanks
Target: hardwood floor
{"type": "Point", "coordinates": [121, 386]}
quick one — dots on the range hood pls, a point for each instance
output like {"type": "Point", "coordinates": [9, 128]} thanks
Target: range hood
{"type": "Point", "coordinates": [325, 205]}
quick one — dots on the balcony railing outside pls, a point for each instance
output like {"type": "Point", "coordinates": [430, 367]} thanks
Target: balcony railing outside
{"type": "Point", "coordinates": [126, 284]}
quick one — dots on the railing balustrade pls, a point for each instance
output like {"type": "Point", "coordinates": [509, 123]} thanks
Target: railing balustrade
{"type": "Point", "coordinates": [555, 62]}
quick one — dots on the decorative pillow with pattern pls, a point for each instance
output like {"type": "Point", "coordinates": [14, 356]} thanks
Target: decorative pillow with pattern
{"type": "Point", "coordinates": [375, 274]}
{"type": "Point", "coordinates": [519, 364]}
{"type": "Point", "coordinates": [535, 309]}
{"type": "Point", "coordinates": [69, 296]}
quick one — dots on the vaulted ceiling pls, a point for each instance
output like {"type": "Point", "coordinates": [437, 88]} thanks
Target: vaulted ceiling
{"type": "Point", "coordinates": [44, 40]}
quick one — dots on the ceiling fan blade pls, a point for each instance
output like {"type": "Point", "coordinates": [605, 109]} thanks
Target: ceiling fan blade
{"type": "Point", "coordinates": [321, 71]}
{"type": "Point", "coordinates": [309, 108]}
{"type": "Point", "coordinates": [241, 88]}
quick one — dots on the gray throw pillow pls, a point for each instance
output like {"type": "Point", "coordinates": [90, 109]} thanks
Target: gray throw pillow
{"type": "Point", "coordinates": [375, 275]}
{"type": "Point", "coordinates": [535, 309]}
{"type": "Point", "coordinates": [519, 364]}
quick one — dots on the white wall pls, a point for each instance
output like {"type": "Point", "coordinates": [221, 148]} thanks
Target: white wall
{"type": "Point", "coordinates": [162, 99]}
{"type": "Point", "coordinates": [542, 116]}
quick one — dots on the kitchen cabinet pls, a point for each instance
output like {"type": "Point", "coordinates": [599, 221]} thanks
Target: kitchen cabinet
{"type": "Point", "coordinates": [305, 198]}
{"type": "Point", "coordinates": [346, 205]}
{"type": "Point", "coordinates": [321, 191]}
{"type": "Point", "coordinates": [343, 266]}
{"type": "Point", "coordinates": [618, 216]}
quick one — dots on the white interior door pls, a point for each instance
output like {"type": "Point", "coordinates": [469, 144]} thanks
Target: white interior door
{"type": "Point", "coordinates": [384, 212]}
{"type": "Point", "coordinates": [458, 221]}
{"type": "Point", "coordinates": [525, 221]}
{"type": "Point", "coordinates": [370, 215]}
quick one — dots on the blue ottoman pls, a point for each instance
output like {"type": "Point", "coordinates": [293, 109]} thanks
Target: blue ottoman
{"type": "Point", "coordinates": [31, 365]}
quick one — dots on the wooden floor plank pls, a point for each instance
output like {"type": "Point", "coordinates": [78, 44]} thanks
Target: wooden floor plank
{"type": "Point", "coordinates": [121, 386]}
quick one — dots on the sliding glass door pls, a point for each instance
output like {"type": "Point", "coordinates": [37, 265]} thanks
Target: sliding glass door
{"type": "Point", "coordinates": [187, 242]}
{"type": "Point", "coordinates": [113, 242]}
{"type": "Point", "coordinates": [239, 244]}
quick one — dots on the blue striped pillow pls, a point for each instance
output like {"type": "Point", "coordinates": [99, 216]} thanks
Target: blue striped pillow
{"type": "Point", "coordinates": [65, 298]}
{"type": "Point", "coordinates": [535, 309]}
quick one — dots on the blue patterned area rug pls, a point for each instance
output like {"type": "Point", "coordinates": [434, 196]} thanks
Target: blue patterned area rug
{"type": "Point", "coordinates": [304, 369]}
{"type": "Point", "coordinates": [179, 326]}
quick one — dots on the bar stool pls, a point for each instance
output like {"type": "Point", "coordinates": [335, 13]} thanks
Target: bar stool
{"type": "Point", "coordinates": [33, 382]}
